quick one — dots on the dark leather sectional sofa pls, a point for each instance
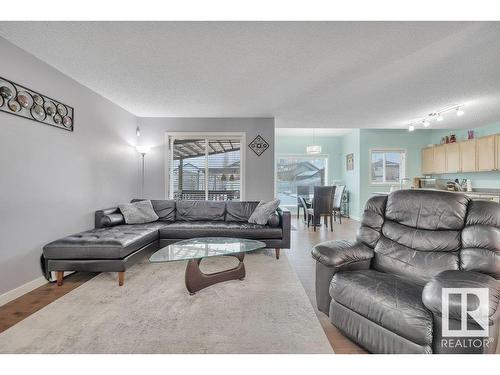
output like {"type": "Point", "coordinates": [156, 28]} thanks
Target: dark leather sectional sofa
{"type": "Point", "coordinates": [384, 291]}
{"type": "Point", "coordinates": [113, 246]}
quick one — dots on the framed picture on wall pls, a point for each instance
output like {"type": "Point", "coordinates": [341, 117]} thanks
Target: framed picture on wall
{"type": "Point", "coordinates": [349, 162]}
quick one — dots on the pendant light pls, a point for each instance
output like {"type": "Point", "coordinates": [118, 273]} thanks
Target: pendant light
{"type": "Point", "coordinates": [313, 149]}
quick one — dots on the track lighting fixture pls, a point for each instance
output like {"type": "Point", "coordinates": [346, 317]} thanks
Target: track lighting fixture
{"type": "Point", "coordinates": [436, 116]}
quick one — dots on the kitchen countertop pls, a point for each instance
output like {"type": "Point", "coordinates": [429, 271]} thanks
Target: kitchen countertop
{"type": "Point", "coordinates": [489, 192]}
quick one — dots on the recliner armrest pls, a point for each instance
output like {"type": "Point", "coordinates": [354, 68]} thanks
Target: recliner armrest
{"type": "Point", "coordinates": [432, 293]}
{"type": "Point", "coordinates": [339, 253]}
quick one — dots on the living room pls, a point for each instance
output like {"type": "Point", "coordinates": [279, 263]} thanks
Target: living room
{"type": "Point", "coordinates": [263, 187]}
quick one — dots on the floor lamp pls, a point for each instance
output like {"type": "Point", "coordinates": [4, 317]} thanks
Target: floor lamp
{"type": "Point", "coordinates": [143, 150]}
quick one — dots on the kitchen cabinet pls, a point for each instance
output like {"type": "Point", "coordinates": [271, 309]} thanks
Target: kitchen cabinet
{"type": "Point", "coordinates": [428, 160]}
{"type": "Point", "coordinates": [439, 159]}
{"type": "Point", "coordinates": [468, 155]}
{"type": "Point", "coordinates": [452, 152]}
{"type": "Point", "coordinates": [486, 153]}
{"type": "Point", "coordinates": [473, 155]}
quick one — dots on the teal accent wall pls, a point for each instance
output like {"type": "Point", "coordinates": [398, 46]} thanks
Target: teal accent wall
{"type": "Point", "coordinates": [488, 180]}
{"type": "Point", "coordinates": [330, 145]}
{"type": "Point", "coordinates": [381, 138]}
{"type": "Point", "coordinates": [461, 134]}
{"type": "Point", "coordinates": [351, 145]}
{"type": "Point", "coordinates": [360, 141]}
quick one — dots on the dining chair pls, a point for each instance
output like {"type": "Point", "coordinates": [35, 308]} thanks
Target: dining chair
{"type": "Point", "coordinates": [322, 206]}
{"type": "Point", "coordinates": [337, 202]}
{"type": "Point", "coordinates": [303, 191]}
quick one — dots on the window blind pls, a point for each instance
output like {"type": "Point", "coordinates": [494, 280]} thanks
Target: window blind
{"type": "Point", "coordinates": [205, 169]}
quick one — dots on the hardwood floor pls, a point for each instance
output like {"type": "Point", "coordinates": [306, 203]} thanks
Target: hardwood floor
{"type": "Point", "coordinates": [303, 240]}
{"type": "Point", "coordinates": [299, 255]}
{"type": "Point", "coordinates": [13, 312]}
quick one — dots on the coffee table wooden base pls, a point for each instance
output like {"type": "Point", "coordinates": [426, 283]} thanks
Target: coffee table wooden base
{"type": "Point", "coordinates": [197, 280]}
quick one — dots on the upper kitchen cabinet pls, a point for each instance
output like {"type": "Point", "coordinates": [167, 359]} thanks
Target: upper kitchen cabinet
{"type": "Point", "coordinates": [439, 159]}
{"type": "Point", "coordinates": [486, 158]}
{"type": "Point", "coordinates": [468, 155]}
{"type": "Point", "coordinates": [473, 155]}
{"type": "Point", "coordinates": [428, 160]}
{"type": "Point", "coordinates": [452, 151]}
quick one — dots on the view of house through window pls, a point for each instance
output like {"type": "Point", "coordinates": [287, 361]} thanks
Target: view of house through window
{"type": "Point", "coordinates": [387, 166]}
{"type": "Point", "coordinates": [298, 171]}
{"type": "Point", "coordinates": [205, 169]}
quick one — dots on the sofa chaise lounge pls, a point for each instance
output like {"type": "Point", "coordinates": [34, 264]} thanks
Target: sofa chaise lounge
{"type": "Point", "coordinates": [113, 246]}
{"type": "Point", "coordinates": [384, 291]}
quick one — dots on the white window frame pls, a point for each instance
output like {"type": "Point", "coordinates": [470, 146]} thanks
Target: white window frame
{"type": "Point", "coordinates": [384, 150]}
{"type": "Point", "coordinates": [302, 156]}
{"type": "Point", "coordinates": [171, 136]}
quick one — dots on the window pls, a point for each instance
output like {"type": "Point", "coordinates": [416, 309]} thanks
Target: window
{"type": "Point", "coordinates": [387, 166]}
{"type": "Point", "coordinates": [205, 168]}
{"type": "Point", "coordinates": [298, 171]}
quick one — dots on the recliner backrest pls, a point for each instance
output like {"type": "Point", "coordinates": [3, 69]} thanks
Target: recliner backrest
{"type": "Point", "coordinates": [481, 239]}
{"type": "Point", "coordinates": [420, 235]}
{"type": "Point", "coordinates": [372, 221]}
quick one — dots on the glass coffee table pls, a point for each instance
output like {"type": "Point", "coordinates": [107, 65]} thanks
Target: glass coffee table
{"type": "Point", "coordinates": [196, 249]}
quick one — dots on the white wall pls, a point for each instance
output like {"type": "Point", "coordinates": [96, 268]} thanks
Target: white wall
{"type": "Point", "coordinates": [259, 171]}
{"type": "Point", "coordinates": [51, 180]}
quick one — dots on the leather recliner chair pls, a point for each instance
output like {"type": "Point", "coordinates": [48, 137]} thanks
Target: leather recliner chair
{"type": "Point", "coordinates": [384, 291]}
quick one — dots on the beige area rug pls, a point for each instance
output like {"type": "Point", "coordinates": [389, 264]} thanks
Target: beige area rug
{"type": "Point", "coordinates": [268, 312]}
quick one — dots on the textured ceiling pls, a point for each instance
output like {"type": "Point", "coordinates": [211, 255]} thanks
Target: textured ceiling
{"type": "Point", "coordinates": [309, 132]}
{"type": "Point", "coordinates": [306, 74]}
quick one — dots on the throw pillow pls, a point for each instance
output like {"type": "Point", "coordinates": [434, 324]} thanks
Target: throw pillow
{"type": "Point", "coordinates": [138, 212]}
{"type": "Point", "coordinates": [263, 211]}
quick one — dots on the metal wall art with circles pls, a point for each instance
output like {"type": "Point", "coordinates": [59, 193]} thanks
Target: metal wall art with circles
{"type": "Point", "coordinates": [21, 101]}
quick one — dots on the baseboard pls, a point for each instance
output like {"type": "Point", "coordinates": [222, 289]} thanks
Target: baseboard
{"type": "Point", "coordinates": [354, 218]}
{"type": "Point", "coordinates": [23, 289]}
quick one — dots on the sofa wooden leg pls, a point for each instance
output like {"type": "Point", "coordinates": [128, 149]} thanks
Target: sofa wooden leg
{"type": "Point", "coordinates": [59, 275]}
{"type": "Point", "coordinates": [121, 278]}
{"type": "Point", "coordinates": [277, 253]}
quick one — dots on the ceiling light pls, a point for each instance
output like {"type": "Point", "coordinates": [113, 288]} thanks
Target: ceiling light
{"type": "Point", "coordinates": [313, 149]}
{"type": "Point", "coordinates": [436, 116]}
